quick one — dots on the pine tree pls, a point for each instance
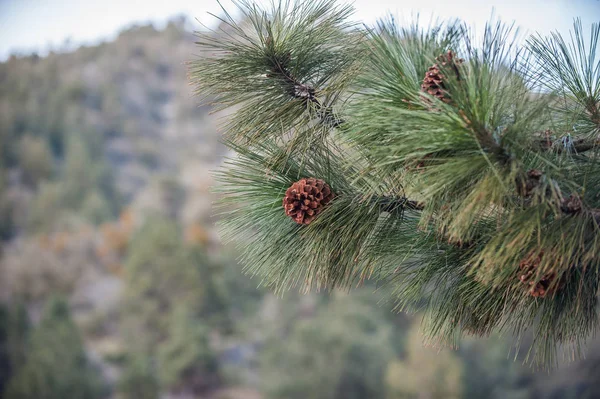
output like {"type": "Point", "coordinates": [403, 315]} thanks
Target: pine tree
{"type": "Point", "coordinates": [14, 334]}
{"type": "Point", "coordinates": [55, 364]}
{"type": "Point", "coordinates": [341, 353]}
{"type": "Point", "coordinates": [425, 372]}
{"type": "Point", "coordinates": [186, 359]}
{"type": "Point", "coordinates": [168, 309]}
{"type": "Point", "coordinates": [5, 361]}
{"type": "Point", "coordinates": [160, 272]}
{"type": "Point", "coordinates": [139, 380]}
{"type": "Point", "coordinates": [462, 168]}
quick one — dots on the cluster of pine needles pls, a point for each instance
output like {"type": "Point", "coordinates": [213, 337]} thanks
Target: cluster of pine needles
{"type": "Point", "coordinates": [464, 165]}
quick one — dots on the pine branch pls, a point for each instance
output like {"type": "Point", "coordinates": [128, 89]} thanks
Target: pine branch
{"type": "Point", "coordinates": [393, 204]}
{"type": "Point", "coordinates": [565, 144]}
{"type": "Point", "coordinates": [274, 42]}
{"type": "Point", "coordinates": [457, 233]}
{"type": "Point", "coordinates": [279, 69]}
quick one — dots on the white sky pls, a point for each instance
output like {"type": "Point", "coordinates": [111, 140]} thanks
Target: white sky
{"type": "Point", "coordinates": [36, 25]}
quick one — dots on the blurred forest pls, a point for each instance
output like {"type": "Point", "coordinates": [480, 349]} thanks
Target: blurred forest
{"type": "Point", "coordinates": [113, 281]}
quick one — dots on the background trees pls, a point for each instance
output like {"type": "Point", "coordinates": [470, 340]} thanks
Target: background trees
{"type": "Point", "coordinates": [55, 364]}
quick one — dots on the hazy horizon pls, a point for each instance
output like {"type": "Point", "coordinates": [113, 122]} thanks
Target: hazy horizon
{"type": "Point", "coordinates": [35, 26]}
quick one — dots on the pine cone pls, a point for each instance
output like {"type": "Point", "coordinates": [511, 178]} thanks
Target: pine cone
{"type": "Point", "coordinates": [278, 65]}
{"type": "Point", "coordinates": [571, 205]}
{"type": "Point", "coordinates": [527, 185]}
{"type": "Point", "coordinates": [433, 83]}
{"type": "Point", "coordinates": [306, 198]}
{"type": "Point", "coordinates": [545, 139]}
{"type": "Point", "coordinates": [545, 285]}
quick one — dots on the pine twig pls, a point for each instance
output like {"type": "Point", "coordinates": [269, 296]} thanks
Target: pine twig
{"type": "Point", "coordinates": [391, 203]}
{"type": "Point", "coordinates": [279, 69]}
{"type": "Point", "coordinates": [577, 146]}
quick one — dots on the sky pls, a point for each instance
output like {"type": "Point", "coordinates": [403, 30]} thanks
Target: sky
{"type": "Point", "coordinates": [38, 25]}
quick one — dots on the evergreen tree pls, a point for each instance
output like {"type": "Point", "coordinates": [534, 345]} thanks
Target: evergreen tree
{"type": "Point", "coordinates": [7, 211]}
{"type": "Point", "coordinates": [5, 368]}
{"type": "Point", "coordinates": [78, 172]}
{"type": "Point", "coordinates": [424, 372]}
{"type": "Point", "coordinates": [185, 359]}
{"type": "Point", "coordinates": [35, 159]}
{"type": "Point", "coordinates": [160, 272]}
{"type": "Point", "coordinates": [341, 353]}
{"type": "Point", "coordinates": [169, 290]}
{"type": "Point", "coordinates": [490, 373]}
{"type": "Point", "coordinates": [17, 330]}
{"type": "Point", "coordinates": [138, 380]}
{"type": "Point", "coordinates": [55, 365]}
{"type": "Point", "coordinates": [460, 169]}
{"type": "Point", "coordinates": [14, 338]}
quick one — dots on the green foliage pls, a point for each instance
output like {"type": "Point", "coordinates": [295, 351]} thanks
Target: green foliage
{"type": "Point", "coordinates": [46, 209]}
{"type": "Point", "coordinates": [266, 63]}
{"type": "Point", "coordinates": [7, 213]}
{"type": "Point", "coordinates": [17, 329]}
{"type": "Point", "coordinates": [171, 296]}
{"type": "Point", "coordinates": [399, 57]}
{"type": "Point", "coordinates": [171, 196]}
{"type": "Point", "coordinates": [571, 69]}
{"type": "Point", "coordinates": [110, 104]}
{"type": "Point", "coordinates": [14, 333]}
{"type": "Point", "coordinates": [35, 159]}
{"type": "Point", "coordinates": [82, 174]}
{"type": "Point", "coordinates": [77, 171]}
{"type": "Point", "coordinates": [490, 372]}
{"type": "Point", "coordinates": [424, 372]}
{"type": "Point", "coordinates": [96, 208]}
{"type": "Point", "coordinates": [159, 273]}
{"type": "Point", "coordinates": [55, 364]}
{"type": "Point", "coordinates": [81, 187]}
{"type": "Point", "coordinates": [340, 353]}
{"type": "Point", "coordinates": [185, 359]}
{"type": "Point", "coordinates": [431, 195]}
{"type": "Point", "coordinates": [138, 380]}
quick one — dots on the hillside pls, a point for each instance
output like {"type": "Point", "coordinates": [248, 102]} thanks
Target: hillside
{"type": "Point", "coordinates": [127, 100]}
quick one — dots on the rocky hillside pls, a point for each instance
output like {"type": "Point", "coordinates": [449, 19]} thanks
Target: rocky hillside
{"type": "Point", "coordinates": [124, 106]}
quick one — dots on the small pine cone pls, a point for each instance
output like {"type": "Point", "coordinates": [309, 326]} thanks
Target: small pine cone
{"type": "Point", "coordinates": [571, 205]}
{"type": "Point", "coordinates": [421, 164]}
{"type": "Point", "coordinates": [449, 59]}
{"type": "Point", "coordinates": [542, 287]}
{"type": "Point", "coordinates": [526, 186]}
{"type": "Point", "coordinates": [544, 139]}
{"type": "Point", "coordinates": [306, 198]}
{"type": "Point", "coordinates": [278, 65]}
{"type": "Point", "coordinates": [304, 92]}
{"type": "Point", "coordinates": [433, 83]}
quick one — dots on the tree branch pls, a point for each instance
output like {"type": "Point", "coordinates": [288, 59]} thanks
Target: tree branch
{"type": "Point", "coordinates": [391, 203]}
{"type": "Point", "coordinates": [578, 146]}
{"type": "Point", "coordinates": [296, 89]}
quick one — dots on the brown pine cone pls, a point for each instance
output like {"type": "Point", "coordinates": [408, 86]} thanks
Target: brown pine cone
{"type": "Point", "coordinates": [544, 139]}
{"type": "Point", "coordinates": [526, 185]}
{"type": "Point", "coordinates": [433, 83]}
{"type": "Point", "coordinates": [306, 198]}
{"type": "Point", "coordinates": [571, 205]}
{"type": "Point", "coordinates": [278, 65]}
{"type": "Point", "coordinates": [542, 287]}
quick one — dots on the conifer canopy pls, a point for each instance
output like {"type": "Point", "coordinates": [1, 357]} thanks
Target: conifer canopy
{"type": "Point", "coordinates": [465, 165]}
